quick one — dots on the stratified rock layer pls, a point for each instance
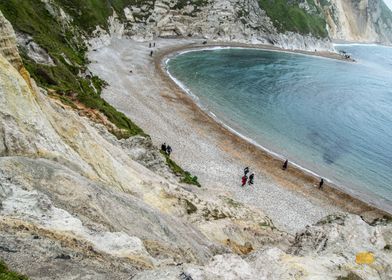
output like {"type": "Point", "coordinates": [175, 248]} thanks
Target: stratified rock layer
{"type": "Point", "coordinates": [8, 43]}
{"type": "Point", "coordinates": [76, 203]}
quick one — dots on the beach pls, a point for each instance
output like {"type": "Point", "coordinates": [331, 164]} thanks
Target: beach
{"type": "Point", "coordinates": [140, 87]}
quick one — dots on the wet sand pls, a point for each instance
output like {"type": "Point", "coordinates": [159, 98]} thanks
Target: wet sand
{"type": "Point", "coordinates": [206, 148]}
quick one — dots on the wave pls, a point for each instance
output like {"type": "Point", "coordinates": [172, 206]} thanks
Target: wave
{"type": "Point", "coordinates": [293, 52]}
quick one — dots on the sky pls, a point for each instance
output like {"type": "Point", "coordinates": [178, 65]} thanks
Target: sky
{"type": "Point", "coordinates": [389, 3]}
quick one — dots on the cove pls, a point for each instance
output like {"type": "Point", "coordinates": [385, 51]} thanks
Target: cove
{"type": "Point", "coordinates": [329, 116]}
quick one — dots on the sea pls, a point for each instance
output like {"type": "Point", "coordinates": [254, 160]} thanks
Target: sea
{"type": "Point", "coordinates": [332, 118]}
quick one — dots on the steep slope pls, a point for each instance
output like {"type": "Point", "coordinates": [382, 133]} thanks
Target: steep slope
{"type": "Point", "coordinates": [73, 188]}
{"type": "Point", "coordinates": [363, 21]}
{"type": "Point", "coordinates": [75, 204]}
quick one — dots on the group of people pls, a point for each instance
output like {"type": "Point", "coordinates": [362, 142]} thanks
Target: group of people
{"type": "Point", "coordinates": [250, 180]}
{"type": "Point", "coordinates": [245, 178]}
{"type": "Point", "coordinates": [166, 149]}
{"type": "Point", "coordinates": [285, 165]}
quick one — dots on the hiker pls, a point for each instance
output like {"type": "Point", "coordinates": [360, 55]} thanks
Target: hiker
{"type": "Point", "coordinates": [163, 147]}
{"type": "Point", "coordinates": [151, 52]}
{"type": "Point", "coordinates": [168, 150]}
{"type": "Point", "coordinates": [185, 276]}
{"type": "Point", "coordinates": [321, 183]}
{"type": "Point", "coordinates": [149, 45]}
{"type": "Point", "coordinates": [246, 170]}
{"type": "Point", "coordinates": [154, 44]}
{"type": "Point", "coordinates": [285, 164]}
{"type": "Point", "coordinates": [251, 178]}
{"type": "Point", "coordinates": [244, 179]}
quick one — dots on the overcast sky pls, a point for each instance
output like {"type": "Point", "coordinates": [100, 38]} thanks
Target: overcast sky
{"type": "Point", "coordinates": [389, 3]}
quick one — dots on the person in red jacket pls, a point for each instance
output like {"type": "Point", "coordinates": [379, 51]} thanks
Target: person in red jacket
{"type": "Point", "coordinates": [244, 179]}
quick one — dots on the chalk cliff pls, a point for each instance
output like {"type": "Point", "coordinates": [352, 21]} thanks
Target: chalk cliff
{"type": "Point", "coordinates": [76, 202]}
{"type": "Point", "coordinates": [359, 21]}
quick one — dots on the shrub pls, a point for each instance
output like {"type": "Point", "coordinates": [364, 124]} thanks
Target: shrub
{"type": "Point", "coordinates": [6, 274]}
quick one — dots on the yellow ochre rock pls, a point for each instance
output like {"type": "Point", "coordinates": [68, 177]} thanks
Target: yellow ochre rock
{"type": "Point", "coordinates": [364, 258]}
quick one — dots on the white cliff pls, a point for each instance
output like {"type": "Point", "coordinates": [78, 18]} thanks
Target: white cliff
{"type": "Point", "coordinates": [77, 203]}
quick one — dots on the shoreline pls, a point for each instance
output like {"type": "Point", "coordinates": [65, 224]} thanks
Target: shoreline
{"type": "Point", "coordinates": [331, 191]}
{"type": "Point", "coordinates": [141, 89]}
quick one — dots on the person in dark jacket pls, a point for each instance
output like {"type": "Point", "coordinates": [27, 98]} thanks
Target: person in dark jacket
{"type": "Point", "coordinates": [251, 178]}
{"type": "Point", "coordinates": [169, 150]}
{"type": "Point", "coordinates": [285, 164]}
{"type": "Point", "coordinates": [321, 183]}
{"type": "Point", "coordinates": [163, 147]}
{"type": "Point", "coordinates": [246, 170]}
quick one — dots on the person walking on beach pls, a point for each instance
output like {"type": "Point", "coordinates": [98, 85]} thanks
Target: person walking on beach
{"type": "Point", "coordinates": [251, 178]}
{"type": "Point", "coordinates": [163, 147]}
{"type": "Point", "coordinates": [244, 179]}
{"type": "Point", "coordinates": [321, 183]}
{"type": "Point", "coordinates": [285, 164]}
{"type": "Point", "coordinates": [168, 150]}
{"type": "Point", "coordinates": [246, 170]}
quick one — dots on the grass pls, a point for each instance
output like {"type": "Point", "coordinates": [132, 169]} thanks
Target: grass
{"type": "Point", "coordinates": [6, 274]}
{"type": "Point", "coordinates": [65, 45]}
{"type": "Point", "coordinates": [90, 13]}
{"type": "Point", "coordinates": [186, 177]}
{"type": "Point", "coordinates": [32, 18]}
{"type": "Point", "coordinates": [290, 17]}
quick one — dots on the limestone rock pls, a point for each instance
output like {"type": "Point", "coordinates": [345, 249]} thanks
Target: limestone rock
{"type": "Point", "coordinates": [363, 20]}
{"type": "Point", "coordinates": [33, 50]}
{"type": "Point", "coordinates": [8, 43]}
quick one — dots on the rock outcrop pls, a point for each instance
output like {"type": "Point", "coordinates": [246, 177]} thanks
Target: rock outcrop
{"type": "Point", "coordinates": [77, 203]}
{"type": "Point", "coordinates": [217, 20]}
{"type": "Point", "coordinates": [69, 193]}
{"type": "Point", "coordinates": [247, 22]}
{"type": "Point", "coordinates": [8, 43]}
{"type": "Point", "coordinates": [360, 21]}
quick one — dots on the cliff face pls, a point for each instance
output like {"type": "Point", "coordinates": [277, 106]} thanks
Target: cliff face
{"type": "Point", "coordinates": [221, 20]}
{"type": "Point", "coordinates": [361, 21]}
{"type": "Point", "coordinates": [76, 202]}
{"type": "Point", "coordinates": [298, 24]}
{"type": "Point", "coordinates": [8, 46]}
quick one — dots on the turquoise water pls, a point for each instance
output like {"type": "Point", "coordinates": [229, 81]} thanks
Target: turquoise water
{"type": "Point", "coordinates": [331, 117]}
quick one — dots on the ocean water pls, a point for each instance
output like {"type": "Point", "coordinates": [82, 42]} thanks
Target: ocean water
{"type": "Point", "coordinates": [331, 117]}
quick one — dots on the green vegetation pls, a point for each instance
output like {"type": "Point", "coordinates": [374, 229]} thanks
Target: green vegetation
{"type": "Point", "coordinates": [90, 13]}
{"type": "Point", "coordinates": [63, 41]}
{"type": "Point", "coordinates": [6, 274]}
{"type": "Point", "coordinates": [288, 16]}
{"type": "Point", "coordinates": [186, 177]}
{"type": "Point", "coordinates": [65, 45]}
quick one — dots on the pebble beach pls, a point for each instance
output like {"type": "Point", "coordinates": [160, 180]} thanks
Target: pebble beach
{"type": "Point", "coordinates": [140, 87]}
